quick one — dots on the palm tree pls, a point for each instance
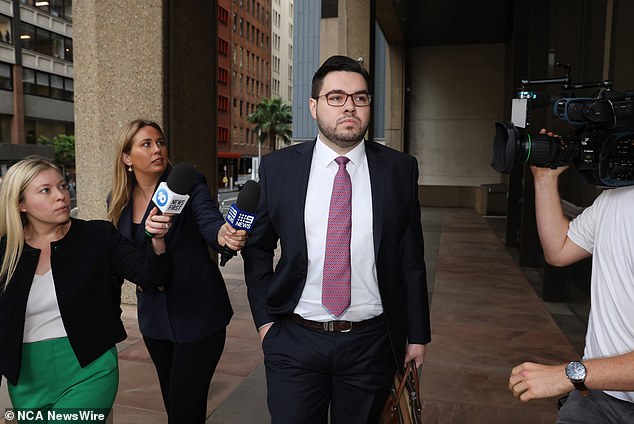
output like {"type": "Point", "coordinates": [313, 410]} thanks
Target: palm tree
{"type": "Point", "coordinates": [272, 119]}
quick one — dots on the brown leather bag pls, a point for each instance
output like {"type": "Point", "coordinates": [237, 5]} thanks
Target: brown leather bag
{"type": "Point", "coordinates": [403, 405]}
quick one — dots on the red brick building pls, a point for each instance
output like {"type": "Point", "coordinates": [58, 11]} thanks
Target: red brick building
{"type": "Point", "coordinates": [244, 76]}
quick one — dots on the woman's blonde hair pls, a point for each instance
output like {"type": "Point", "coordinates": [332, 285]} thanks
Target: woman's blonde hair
{"type": "Point", "coordinates": [123, 181]}
{"type": "Point", "coordinates": [12, 221]}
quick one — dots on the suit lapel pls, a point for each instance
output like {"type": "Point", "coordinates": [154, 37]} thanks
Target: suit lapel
{"type": "Point", "coordinates": [301, 171]}
{"type": "Point", "coordinates": [125, 224]}
{"type": "Point", "coordinates": [376, 167]}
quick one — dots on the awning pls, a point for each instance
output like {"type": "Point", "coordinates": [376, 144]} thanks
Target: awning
{"type": "Point", "coordinates": [229, 155]}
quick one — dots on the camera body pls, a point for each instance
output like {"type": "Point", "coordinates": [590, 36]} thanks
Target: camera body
{"type": "Point", "coordinates": [601, 147]}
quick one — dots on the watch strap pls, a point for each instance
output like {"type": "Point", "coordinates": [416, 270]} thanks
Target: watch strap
{"type": "Point", "coordinates": [583, 390]}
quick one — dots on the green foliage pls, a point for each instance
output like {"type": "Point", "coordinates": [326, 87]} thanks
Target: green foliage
{"type": "Point", "coordinates": [273, 118]}
{"type": "Point", "coordinates": [64, 146]}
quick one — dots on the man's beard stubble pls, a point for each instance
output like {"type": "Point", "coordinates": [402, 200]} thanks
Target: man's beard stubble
{"type": "Point", "coordinates": [341, 138]}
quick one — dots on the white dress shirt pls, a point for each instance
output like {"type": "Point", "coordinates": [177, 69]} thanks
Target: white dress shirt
{"type": "Point", "coordinates": [365, 299]}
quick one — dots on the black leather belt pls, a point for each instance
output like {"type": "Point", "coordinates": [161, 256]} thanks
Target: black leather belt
{"type": "Point", "coordinates": [335, 326]}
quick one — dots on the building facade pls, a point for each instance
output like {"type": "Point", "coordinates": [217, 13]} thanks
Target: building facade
{"type": "Point", "coordinates": [248, 77]}
{"type": "Point", "coordinates": [36, 75]}
{"type": "Point", "coordinates": [282, 31]}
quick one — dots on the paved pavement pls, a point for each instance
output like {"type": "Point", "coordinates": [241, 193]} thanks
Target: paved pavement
{"type": "Point", "coordinates": [486, 318]}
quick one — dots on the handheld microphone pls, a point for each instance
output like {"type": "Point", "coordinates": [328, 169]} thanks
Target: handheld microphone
{"type": "Point", "coordinates": [241, 215]}
{"type": "Point", "coordinates": [171, 196]}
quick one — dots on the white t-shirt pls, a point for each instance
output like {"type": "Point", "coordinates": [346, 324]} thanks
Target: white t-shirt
{"type": "Point", "coordinates": [606, 229]}
{"type": "Point", "coordinates": [43, 320]}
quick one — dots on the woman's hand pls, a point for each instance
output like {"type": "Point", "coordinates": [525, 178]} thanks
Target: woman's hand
{"type": "Point", "coordinates": [156, 227]}
{"type": "Point", "coordinates": [232, 238]}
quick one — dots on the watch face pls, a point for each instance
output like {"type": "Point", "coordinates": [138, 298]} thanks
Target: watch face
{"type": "Point", "coordinates": [576, 371]}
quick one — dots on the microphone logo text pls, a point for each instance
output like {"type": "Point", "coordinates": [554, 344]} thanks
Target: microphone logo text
{"type": "Point", "coordinates": [239, 219]}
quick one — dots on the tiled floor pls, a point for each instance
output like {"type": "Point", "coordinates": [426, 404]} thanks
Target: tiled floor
{"type": "Point", "coordinates": [486, 318]}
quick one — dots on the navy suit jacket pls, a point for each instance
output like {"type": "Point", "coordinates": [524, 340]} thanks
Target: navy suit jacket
{"type": "Point", "coordinates": [397, 231]}
{"type": "Point", "coordinates": [195, 303]}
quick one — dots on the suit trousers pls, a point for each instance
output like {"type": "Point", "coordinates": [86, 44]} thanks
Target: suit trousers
{"type": "Point", "coordinates": [310, 371]}
{"type": "Point", "coordinates": [185, 371]}
{"type": "Point", "coordinates": [597, 408]}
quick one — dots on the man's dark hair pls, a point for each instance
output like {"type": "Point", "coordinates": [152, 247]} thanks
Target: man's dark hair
{"type": "Point", "coordinates": [337, 63]}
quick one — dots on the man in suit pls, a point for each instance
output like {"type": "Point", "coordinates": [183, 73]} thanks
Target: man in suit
{"type": "Point", "coordinates": [347, 302]}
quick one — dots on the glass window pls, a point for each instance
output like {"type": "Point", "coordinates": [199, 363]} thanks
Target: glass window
{"type": "Point", "coordinates": [28, 81]}
{"type": "Point", "coordinates": [5, 77]}
{"type": "Point", "coordinates": [27, 36]}
{"type": "Point", "coordinates": [57, 87]}
{"type": "Point", "coordinates": [56, 8]}
{"type": "Point", "coordinates": [69, 89]}
{"type": "Point", "coordinates": [68, 9]}
{"type": "Point", "coordinates": [68, 49]}
{"type": "Point", "coordinates": [5, 29]}
{"type": "Point", "coordinates": [46, 42]}
{"type": "Point", "coordinates": [42, 6]}
{"type": "Point", "coordinates": [42, 84]}
{"type": "Point", "coordinates": [43, 41]}
{"type": "Point", "coordinates": [329, 8]}
{"type": "Point", "coordinates": [5, 129]}
{"type": "Point", "coordinates": [57, 46]}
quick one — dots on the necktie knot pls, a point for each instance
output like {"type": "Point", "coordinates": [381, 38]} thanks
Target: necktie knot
{"type": "Point", "coordinates": [342, 161]}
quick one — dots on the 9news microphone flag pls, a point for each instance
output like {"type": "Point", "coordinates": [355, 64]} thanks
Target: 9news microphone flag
{"type": "Point", "coordinates": [241, 215]}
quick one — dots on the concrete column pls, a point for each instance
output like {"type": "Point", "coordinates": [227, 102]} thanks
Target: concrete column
{"type": "Point", "coordinates": [17, 121]}
{"type": "Point", "coordinates": [150, 59]}
{"type": "Point", "coordinates": [349, 33]}
{"type": "Point", "coordinates": [118, 52]}
{"type": "Point", "coordinates": [395, 97]}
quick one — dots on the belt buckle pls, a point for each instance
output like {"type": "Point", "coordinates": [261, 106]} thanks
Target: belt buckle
{"type": "Point", "coordinates": [330, 326]}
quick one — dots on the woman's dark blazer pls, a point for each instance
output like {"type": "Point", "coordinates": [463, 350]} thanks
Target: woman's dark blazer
{"type": "Point", "coordinates": [84, 265]}
{"type": "Point", "coordinates": [196, 303]}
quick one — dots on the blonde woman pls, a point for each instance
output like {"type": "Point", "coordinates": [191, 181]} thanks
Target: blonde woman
{"type": "Point", "coordinates": [59, 295]}
{"type": "Point", "coordinates": [183, 327]}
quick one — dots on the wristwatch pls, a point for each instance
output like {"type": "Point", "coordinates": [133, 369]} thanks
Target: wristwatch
{"type": "Point", "coordinates": [576, 373]}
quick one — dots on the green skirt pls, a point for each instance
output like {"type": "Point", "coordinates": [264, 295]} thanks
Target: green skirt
{"type": "Point", "coordinates": [51, 379]}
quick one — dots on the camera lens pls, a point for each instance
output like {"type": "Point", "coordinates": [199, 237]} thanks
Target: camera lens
{"type": "Point", "coordinates": [510, 146]}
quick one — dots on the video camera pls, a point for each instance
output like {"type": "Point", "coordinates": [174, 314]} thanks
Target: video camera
{"type": "Point", "coordinates": [601, 148]}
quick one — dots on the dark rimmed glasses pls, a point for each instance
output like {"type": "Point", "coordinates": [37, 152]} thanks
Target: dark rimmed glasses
{"type": "Point", "coordinates": [338, 99]}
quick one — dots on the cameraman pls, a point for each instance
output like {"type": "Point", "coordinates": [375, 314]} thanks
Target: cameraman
{"type": "Point", "coordinates": [601, 388]}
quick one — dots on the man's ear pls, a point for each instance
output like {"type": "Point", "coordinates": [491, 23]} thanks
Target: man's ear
{"type": "Point", "coordinates": [312, 104]}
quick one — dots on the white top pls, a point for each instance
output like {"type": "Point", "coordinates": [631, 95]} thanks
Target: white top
{"type": "Point", "coordinates": [606, 229]}
{"type": "Point", "coordinates": [43, 320]}
{"type": "Point", "coordinates": [365, 298]}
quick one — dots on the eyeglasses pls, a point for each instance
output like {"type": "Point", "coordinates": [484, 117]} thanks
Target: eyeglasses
{"type": "Point", "coordinates": [338, 99]}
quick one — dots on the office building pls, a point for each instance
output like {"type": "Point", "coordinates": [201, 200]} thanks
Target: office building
{"type": "Point", "coordinates": [36, 75]}
{"type": "Point", "coordinates": [244, 78]}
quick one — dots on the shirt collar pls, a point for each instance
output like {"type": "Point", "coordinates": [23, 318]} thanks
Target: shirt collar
{"type": "Point", "coordinates": [325, 155]}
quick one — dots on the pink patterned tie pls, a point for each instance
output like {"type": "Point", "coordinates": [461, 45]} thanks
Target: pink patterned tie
{"type": "Point", "coordinates": [335, 291]}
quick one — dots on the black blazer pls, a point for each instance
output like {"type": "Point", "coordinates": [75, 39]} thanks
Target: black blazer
{"type": "Point", "coordinates": [398, 240]}
{"type": "Point", "coordinates": [84, 264]}
{"type": "Point", "coordinates": [196, 303]}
